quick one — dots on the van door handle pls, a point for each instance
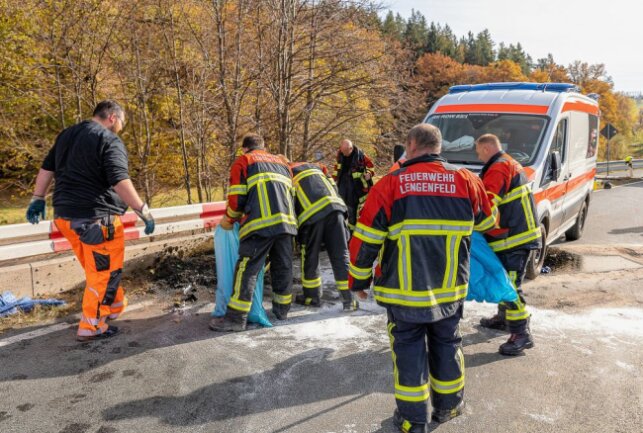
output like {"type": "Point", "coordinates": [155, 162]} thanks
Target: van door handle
{"type": "Point", "coordinates": [567, 177]}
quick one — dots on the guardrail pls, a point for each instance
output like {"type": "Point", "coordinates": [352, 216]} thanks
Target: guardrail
{"type": "Point", "coordinates": [620, 165]}
{"type": "Point", "coordinates": [26, 240]}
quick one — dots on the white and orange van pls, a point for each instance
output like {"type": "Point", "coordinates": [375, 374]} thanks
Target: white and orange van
{"type": "Point", "coordinates": [551, 129]}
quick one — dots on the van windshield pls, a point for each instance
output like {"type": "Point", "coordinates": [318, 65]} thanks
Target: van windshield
{"type": "Point", "coordinates": [520, 135]}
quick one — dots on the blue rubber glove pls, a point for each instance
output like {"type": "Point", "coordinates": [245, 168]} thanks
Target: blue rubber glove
{"type": "Point", "coordinates": [36, 210]}
{"type": "Point", "coordinates": [145, 215]}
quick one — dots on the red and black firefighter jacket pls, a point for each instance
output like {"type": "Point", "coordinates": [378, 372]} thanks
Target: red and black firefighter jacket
{"type": "Point", "coordinates": [316, 193]}
{"type": "Point", "coordinates": [507, 186]}
{"type": "Point", "coordinates": [260, 195]}
{"type": "Point", "coordinates": [419, 219]}
{"type": "Point", "coordinates": [349, 175]}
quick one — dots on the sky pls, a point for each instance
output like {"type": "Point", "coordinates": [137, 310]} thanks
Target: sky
{"type": "Point", "coordinates": [607, 31]}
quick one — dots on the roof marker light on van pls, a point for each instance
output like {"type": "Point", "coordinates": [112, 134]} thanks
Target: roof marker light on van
{"type": "Point", "coordinates": [543, 87]}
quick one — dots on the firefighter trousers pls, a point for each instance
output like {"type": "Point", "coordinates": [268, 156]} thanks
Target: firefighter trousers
{"type": "Point", "coordinates": [515, 313]}
{"type": "Point", "coordinates": [426, 356]}
{"type": "Point", "coordinates": [332, 232]}
{"type": "Point", "coordinates": [253, 251]}
{"type": "Point", "coordinates": [99, 246]}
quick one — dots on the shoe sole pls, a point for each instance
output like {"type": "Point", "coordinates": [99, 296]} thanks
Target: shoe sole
{"type": "Point", "coordinates": [95, 338]}
{"type": "Point", "coordinates": [459, 411]}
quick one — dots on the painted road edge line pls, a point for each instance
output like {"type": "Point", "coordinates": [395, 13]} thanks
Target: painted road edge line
{"type": "Point", "coordinates": [58, 327]}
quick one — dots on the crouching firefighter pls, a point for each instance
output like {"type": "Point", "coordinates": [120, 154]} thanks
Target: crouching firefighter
{"type": "Point", "coordinates": [518, 233]}
{"type": "Point", "coordinates": [92, 190]}
{"type": "Point", "coordinates": [321, 217]}
{"type": "Point", "coordinates": [419, 220]}
{"type": "Point", "coordinates": [260, 197]}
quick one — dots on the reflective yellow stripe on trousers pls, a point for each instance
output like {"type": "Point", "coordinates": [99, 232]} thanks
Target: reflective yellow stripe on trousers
{"type": "Point", "coordinates": [405, 393]}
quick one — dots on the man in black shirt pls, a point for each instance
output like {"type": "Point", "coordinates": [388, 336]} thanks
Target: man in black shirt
{"type": "Point", "coordinates": [91, 192]}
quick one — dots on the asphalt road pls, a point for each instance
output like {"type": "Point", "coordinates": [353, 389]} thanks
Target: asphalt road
{"type": "Point", "coordinates": [615, 216]}
{"type": "Point", "coordinates": [322, 371]}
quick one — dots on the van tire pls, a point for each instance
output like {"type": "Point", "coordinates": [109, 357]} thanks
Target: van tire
{"type": "Point", "coordinates": [537, 257]}
{"type": "Point", "coordinates": [576, 231]}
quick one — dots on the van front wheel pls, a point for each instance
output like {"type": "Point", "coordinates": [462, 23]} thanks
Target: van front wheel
{"type": "Point", "coordinates": [537, 257]}
{"type": "Point", "coordinates": [576, 231]}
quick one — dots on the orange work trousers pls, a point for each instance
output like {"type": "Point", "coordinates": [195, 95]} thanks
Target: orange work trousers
{"type": "Point", "coordinates": [100, 250]}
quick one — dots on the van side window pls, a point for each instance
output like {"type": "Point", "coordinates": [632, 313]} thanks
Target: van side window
{"type": "Point", "coordinates": [558, 144]}
{"type": "Point", "coordinates": [592, 143]}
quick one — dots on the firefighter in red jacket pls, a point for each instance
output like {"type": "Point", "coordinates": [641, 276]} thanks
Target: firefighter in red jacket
{"type": "Point", "coordinates": [260, 197]}
{"type": "Point", "coordinates": [518, 234]}
{"type": "Point", "coordinates": [321, 215]}
{"type": "Point", "coordinates": [419, 220]}
{"type": "Point", "coordinates": [354, 177]}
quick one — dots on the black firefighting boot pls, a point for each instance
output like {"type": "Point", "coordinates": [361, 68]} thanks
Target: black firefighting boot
{"type": "Point", "coordinates": [498, 321]}
{"type": "Point", "coordinates": [352, 305]}
{"type": "Point", "coordinates": [349, 302]}
{"type": "Point", "coordinates": [406, 426]}
{"type": "Point", "coordinates": [233, 321]}
{"type": "Point", "coordinates": [280, 310]}
{"type": "Point", "coordinates": [444, 415]}
{"type": "Point", "coordinates": [308, 301]}
{"type": "Point", "coordinates": [519, 340]}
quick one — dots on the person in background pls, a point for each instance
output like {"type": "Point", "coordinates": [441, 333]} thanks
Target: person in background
{"type": "Point", "coordinates": [518, 233]}
{"type": "Point", "coordinates": [630, 165]}
{"type": "Point", "coordinates": [417, 222]}
{"type": "Point", "coordinates": [354, 177]}
{"type": "Point", "coordinates": [92, 190]}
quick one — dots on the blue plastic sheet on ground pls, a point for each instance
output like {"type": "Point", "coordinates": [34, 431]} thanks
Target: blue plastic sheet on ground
{"type": "Point", "coordinates": [226, 252]}
{"type": "Point", "coordinates": [9, 304]}
{"type": "Point", "coordinates": [488, 281]}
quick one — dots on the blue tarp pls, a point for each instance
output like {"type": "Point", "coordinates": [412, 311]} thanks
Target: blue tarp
{"type": "Point", "coordinates": [488, 281]}
{"type": "Point", "coordinates": [226, 251]}
{"type": "Point", "coordinates": [9, 304]}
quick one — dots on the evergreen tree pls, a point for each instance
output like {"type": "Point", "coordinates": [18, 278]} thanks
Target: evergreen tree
{"type": "Point", "coordinates": [393, 26]}
{"type": "Point", "coordinates": [484, 48]}
{"type": "Point", "coordinates": [416, 32]}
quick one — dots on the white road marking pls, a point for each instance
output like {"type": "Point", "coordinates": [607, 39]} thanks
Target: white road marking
{"type": "Point", "coordinates": [57, 327]}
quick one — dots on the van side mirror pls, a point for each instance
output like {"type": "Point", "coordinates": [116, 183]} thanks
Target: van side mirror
{"type": "Point", "coordinates": [555, 165]}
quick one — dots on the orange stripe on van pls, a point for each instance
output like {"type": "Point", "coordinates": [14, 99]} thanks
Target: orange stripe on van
{"type": "Point", "coordinates": [558, 191]}
{"type": "Point", "coordinates": [582, 107]}
{"type": "Point", "coordinates": [493, 108]}
{"type": "Point", "coordinates": [529, 172]}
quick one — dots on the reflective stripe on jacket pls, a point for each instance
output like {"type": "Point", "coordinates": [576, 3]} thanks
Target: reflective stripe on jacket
{"type": "Point", "coordinates": [419, 219]}
{"type": "Point", "coordinates": [316, 193]}
{"type": "Point", "coordinates": [260, 195]}
{"type": "Point", "coordinates": [507, 186]}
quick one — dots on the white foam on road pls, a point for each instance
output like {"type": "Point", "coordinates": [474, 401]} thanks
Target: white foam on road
{"type": "Point", "coordinates": [601, 321]}
{"type": "Point", "coordinates": [338, 327]}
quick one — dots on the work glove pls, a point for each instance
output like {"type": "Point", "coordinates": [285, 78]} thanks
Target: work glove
{"type": "Point", "coordinates": [145, 215]}
{"type": "Point", "coordinates": [36, 210]}
{"type": "Point", "coordinates": [226, 223]}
